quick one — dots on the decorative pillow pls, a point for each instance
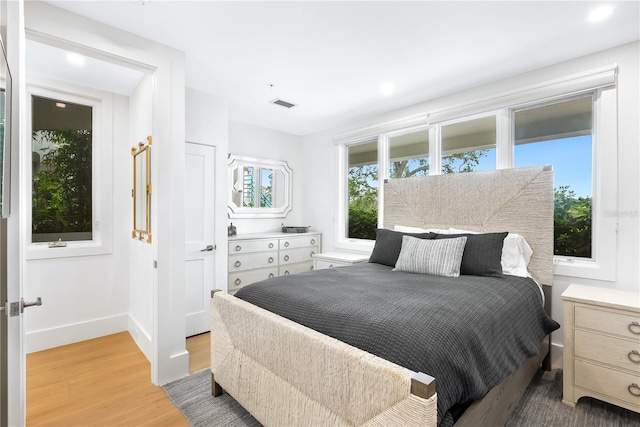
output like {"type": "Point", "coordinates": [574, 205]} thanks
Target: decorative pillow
{"type": "Point", "coordinates": [482, 253]}
{"type": "Point", "coordinates": [437, 257]}
{"type": "Point", "coordinates": [389, 243]}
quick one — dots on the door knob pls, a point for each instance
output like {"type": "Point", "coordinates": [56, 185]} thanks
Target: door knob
{"type": "Point", "coordinates": [208, 248]}
{"type": "Point", "coordinates": [24, 304]}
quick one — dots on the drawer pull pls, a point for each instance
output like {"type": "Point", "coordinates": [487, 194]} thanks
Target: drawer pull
{"type": "Point", "coordinates": [270, 259]}
{"type": "Point", "coordinates": [238, 248]}
{"type": "Point", "coordinates": [270, 245]}
{"type": "Point", "coordinates": [238, 263]}
{"type": "Point", "coordinates": [313, 241]}
{"type": "Point", "coordinates": [634, 356]}
{"type": "Point", "coordinates": [330, 265]}
{"type": "Point", "coordinates": [286, 257]}
{"type": "Point", "coordinates": [634, 328]}
{"type": "Point", "coordinates": [312, 254]}
{"type": "Point", "coordinates": [238, 281]}
{"type": "Point", "coordinates": [632, 389]}
{"type": "Point", "coordinates": [286, 244]}
{"type": "Point", "coordinates": [311, 268]}
{"type": "Point", "coordinates": [271, 275]}
{"type": "Point", "coordinates": [286, 273]}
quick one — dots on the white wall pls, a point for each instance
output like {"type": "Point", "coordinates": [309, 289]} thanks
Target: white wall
{"type": "Point", "coordinates": [169, 359]}
{"type": "Point", "coordinates": [84, 296]}
{"type": "Point", "coordinates": [253, 141]}
{"type": "Point", "coordinates": [140, 278]}
{"type": "Point", "coordinates": [320, 200]}
{"type": "Point", "coordinates": [207, 123]}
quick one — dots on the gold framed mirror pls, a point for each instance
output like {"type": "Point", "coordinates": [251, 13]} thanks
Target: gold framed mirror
{"type": "Point", "coordinates": [141, 192]}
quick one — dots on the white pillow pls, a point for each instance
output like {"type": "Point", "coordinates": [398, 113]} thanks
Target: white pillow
{"type": "Point", "coordinates": [516, 254]}
{"type": "Point", "coordinates": [439, 257]}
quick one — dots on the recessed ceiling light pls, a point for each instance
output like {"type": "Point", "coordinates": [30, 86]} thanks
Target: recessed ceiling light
{"type": "Point", "coordinates": [75, 59]}
{"type": "Point", "coordinates": [387, 89]}
{"type": "Point", "coordinates": [61, 105]}
{"type": "Point", "coordinates": [600, 13]}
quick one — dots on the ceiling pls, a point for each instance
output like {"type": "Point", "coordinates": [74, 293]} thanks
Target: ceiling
{"type": "Point", "coordinates": [330, 58]}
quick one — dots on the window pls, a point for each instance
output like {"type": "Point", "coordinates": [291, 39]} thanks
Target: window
{"type": "Point", "coordinates": [469, 145]}
{"type": "Point", "coordinates": [257, 178]}
{"type": "Point", "coordinates": [70, 177]}
{"type": "Point", "coordinates": [362, 173]}
{"type": "Point", "coordinates": [568, 123]}
{"type": "Point", "coordinates": [561, 134]}
{"type": "Point", "coordinates": [409, 154]}
{"type": "Point", "coordinates": [62, 145]}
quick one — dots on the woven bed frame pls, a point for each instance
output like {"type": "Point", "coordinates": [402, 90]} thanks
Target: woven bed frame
{"type": "Point", "coordinates": [285, 374]}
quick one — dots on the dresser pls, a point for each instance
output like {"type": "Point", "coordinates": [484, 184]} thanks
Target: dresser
{"type": "Point", "coordinates": [260, 256]}
{"type": "Point", "coordinates": [337, 259]}
{"type": "Point", "coordinates": [601, 346]}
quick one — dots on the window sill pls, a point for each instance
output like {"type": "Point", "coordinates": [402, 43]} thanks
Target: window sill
{"type": "Point", "coordinates": [356, 245]}
{"type": "Point", "coordinates": [37, 251]}
{"type": "Point", "coordinates": [584, 269]}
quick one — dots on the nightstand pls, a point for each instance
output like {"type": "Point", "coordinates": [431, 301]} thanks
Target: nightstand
{"type": "Point", "coordinates": [337, 259]}
{"type": "Point", "coordinates": [601, 346]}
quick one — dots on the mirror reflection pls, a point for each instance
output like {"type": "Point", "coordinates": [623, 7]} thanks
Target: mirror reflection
{"type": "Point", "coordinates": [259, 187]}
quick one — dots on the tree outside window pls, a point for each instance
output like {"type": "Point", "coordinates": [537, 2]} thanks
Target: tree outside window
{"type": "Point", "coordinates": [61, 171]}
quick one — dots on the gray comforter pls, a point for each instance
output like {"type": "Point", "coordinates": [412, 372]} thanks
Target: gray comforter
{"type": "Point", "coordinates": [468, 332]}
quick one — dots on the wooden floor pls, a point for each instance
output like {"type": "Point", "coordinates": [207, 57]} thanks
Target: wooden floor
{"type": "Point", "coordinates": [102, 382]}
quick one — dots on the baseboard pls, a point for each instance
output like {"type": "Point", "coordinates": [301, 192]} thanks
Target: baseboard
{"type": "Point", "coordinates": [68, 334]}
{"type": "Point", "coordinates": [557, 351]}
{"type": "Point", "coordinates": [141, 337]}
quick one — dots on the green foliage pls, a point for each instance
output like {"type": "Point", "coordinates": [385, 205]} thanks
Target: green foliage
{"type": "Point", "coordinates": [62, 193]}
{"type": "Point", "coordinates": [572, 214]}
{"type": "Point", "coordinates": [462, 162]}
{"type": "Point", "coordinates": [572, 223]}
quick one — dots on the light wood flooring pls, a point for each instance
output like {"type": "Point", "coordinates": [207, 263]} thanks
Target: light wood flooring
{"type": "Point", "coordinates": [102, 382]}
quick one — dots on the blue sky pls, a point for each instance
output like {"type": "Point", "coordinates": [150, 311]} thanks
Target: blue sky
{"type": "Point", "coordinates": [570, 157]}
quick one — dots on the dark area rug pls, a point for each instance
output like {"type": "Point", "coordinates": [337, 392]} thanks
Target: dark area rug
{"type": "Point", "coordinates": [541, 405]}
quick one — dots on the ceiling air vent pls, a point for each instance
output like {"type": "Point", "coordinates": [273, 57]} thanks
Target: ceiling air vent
{"type": "Point", "coordinates": [282, 103]}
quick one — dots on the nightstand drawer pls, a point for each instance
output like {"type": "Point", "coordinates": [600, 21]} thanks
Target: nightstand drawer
{"type": "Point", "coordinates": [604, 349]}
{"type": "Point", "coordinates": [613, 383]}
{"type": "Point", "coordinates": [323, 263]}
{"type": "Point", "coordinates": [617, 323]}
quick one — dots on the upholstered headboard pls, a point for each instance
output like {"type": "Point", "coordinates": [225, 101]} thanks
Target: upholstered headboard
{"type": "Point", "coordinates": [515, 200]}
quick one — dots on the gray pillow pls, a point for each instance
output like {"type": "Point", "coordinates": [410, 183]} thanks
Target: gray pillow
{"type": "Point", "coordinates": [482, 253]}
{"type": "Point", "coordinates": [437, 257]}
{"type": "Point", "coordinates": [388, 244]}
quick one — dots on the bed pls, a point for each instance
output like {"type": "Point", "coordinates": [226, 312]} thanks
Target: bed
{"type": "Point", "coordinates": [285, 373]}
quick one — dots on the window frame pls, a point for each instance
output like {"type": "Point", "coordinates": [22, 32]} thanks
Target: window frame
{"type": "Point", "coordinates": [101, 169]}
{"type": "Point", "coordinates": [600, 82]}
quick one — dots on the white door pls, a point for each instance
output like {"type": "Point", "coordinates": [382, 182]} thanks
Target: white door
{"type": "Point", "coordinates": [199, 235]}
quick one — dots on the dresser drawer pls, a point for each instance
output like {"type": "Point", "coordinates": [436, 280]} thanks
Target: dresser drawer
{"type": "Point", "coordinates": [617, 323]}
{"type": "Point", "coordinates": [613, 383]}
{"type": "Point", "coordinates": [609, 350]}
{"type": "Point", "coordinates": [296, 268]}
{"type": "Point", "coordinates": [299, 242]}
{"type": "Point", "coordinates": [297, 255]}
{"type": "Point", "coordinates": [238, 280]}
{"type": "Point", "coordinates": [252, 260]}
{"type": "Point", "coordinates": [245, 246]}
